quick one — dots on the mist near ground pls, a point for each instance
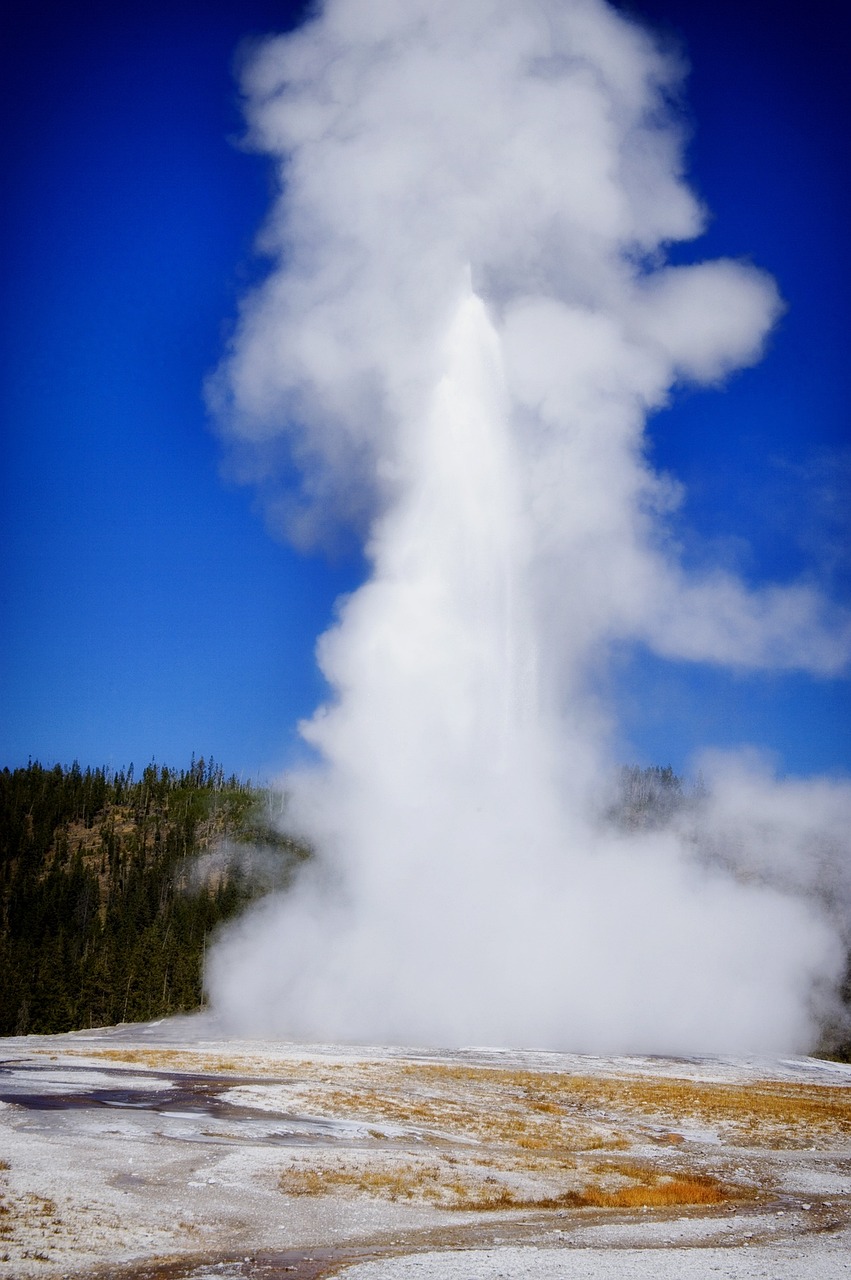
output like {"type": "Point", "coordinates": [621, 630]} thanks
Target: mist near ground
{"type": "Point", "coordinates": [469, 316]}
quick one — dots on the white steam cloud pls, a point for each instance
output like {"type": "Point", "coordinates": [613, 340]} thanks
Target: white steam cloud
{"type": "Point", "coordinates": [468, 319]}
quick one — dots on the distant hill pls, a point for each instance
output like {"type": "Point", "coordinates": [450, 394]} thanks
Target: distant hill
{"type": "Point", "coordinates": [111, 886]}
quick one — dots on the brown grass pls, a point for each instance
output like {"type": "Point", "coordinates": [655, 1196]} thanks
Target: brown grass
{"type": "Point", "coordinates": [682, 1190]}
{"type": "Point", "coordinates": [24, 1211]}
{"type": "Point", "coordinates": [494, 1115]}
{"type": "Point", "coordinates": [181, 1060]}
{"type": "Point", "coordinates": [416, 1181]}
{"type": "Point", "coordinates": [777, 1112]}
{"type": "Point", "coordinates": [432, 1182]}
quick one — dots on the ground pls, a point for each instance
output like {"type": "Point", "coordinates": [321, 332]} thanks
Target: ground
{"type": "Point", "coordinates": [163, 1150]}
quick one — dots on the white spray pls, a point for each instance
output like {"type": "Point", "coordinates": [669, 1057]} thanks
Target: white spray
{"type": "Point", "coordinates": [468, 319]}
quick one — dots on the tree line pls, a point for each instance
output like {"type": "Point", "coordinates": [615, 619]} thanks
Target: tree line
{"type": "Point", "coordinates": [106, 909]}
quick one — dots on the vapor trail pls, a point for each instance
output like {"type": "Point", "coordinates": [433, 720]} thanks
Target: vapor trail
{"type": "Point", "coordinates": [468, 318]}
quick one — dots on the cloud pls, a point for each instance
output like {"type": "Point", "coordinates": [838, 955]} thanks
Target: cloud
{"type": "Point", "coordinates": [467, 319]}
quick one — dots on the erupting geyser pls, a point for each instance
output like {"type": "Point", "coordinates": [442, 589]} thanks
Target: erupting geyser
{"type": "Point", "coordinates": [468, 319]}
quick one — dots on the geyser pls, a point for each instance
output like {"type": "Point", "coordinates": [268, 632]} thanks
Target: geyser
{"type": "Point", "coordinates": [468, 317]}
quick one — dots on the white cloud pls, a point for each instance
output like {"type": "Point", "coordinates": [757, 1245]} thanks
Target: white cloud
{"type": "Point", "coordinates": [457, 343]}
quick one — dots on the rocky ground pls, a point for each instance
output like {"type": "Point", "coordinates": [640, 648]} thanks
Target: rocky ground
{"type": "Point", "coordinates": [162, 1150]}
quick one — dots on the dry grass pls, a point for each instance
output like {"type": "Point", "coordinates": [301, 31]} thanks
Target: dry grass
{"type": "Point", "coordinates": [665, 1191]}
{"type": "Point", "coordinates": [778, 1113]}
{"type": "Point", "coordinates": [469, 1189]}
{"type": "Point", "coordinates": [489, 1114]}
{"type": "Point", "coordinates": [26, 1211]}
{"type": "Point", "coordinates": [181, 1060]}
{"type": "Point", "coordinates": [409, 1180]}
{"type": "Point", "coordinates": [539, 1111]}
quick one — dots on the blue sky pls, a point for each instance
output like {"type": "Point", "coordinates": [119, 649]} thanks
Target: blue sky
{"type": "Point", "coordinates": [146, 612]}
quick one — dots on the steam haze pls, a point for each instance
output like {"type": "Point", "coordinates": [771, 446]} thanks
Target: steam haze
{"type": "Point", "coordinates": [468, 318]}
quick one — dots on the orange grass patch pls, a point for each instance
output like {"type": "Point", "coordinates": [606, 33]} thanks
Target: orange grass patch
{"type": "Point", "coordinates": [432, 1182]}
{"type": "Point", "coordinates": [667, 1191]}
{"type": "Point", "coordinates": [181, 1060]}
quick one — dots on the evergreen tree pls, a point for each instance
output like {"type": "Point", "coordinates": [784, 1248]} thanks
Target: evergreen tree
{"type": "Point", "coordinates": [103, 915]}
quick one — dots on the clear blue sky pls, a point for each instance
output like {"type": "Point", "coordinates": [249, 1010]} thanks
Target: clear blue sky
{"type": "Point", "coordinates": [146, 613]}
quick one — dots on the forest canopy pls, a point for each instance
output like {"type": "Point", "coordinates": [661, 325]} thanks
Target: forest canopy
{"type": "Point", "coordinates": [107, 898]}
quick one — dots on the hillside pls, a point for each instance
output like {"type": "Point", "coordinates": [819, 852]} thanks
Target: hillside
{"type": "Point", "coordinates": [107, 897]}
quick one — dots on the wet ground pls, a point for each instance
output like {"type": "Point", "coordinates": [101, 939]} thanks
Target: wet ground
{"type": "Point", "coordinates": [181, 1097]}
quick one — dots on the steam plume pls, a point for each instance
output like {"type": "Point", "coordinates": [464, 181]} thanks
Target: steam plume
{"type": "Point", "coordinates": [468, 318]}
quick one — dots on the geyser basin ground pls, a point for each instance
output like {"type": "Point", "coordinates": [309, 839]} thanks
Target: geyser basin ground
{"type": "Point", "coordinates": [160, 1151]}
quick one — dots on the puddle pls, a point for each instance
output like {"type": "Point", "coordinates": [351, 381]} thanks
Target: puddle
{"type": "Point", "coordinates": [198, 1098]}
{"type": "Point", "coordinates": [128, 1180]}
{"type": "Point", "coordinates": [141, 1100]}
{"type": "Point", "coordinates": [182, 1095]}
